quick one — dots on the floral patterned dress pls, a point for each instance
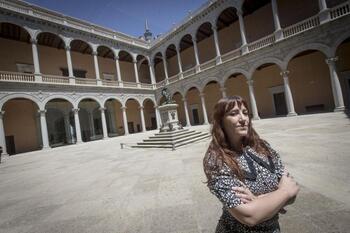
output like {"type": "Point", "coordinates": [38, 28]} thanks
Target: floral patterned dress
{"type": "Point", "coordinates": [262, 175]}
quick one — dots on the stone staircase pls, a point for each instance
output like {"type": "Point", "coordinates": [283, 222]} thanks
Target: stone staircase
{"type": "Point", "coordinates": [172, 139]}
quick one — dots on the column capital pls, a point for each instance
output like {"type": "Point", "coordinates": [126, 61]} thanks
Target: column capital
{"type": "Point", "coordinates": [141, 107]}
{"type": "Point", "coordinates": [331, 60]}
{"type": "Point", "coordinates": [75, 110]}
{"type": "Point", "coordinates": [102, 109]}
{"type": "Point", "coordinates": [42, 112]}
{"type": "Point", "coordinates": [222, 88]}
{"type": "Point", "coordinates": [2, 113]}
{"type": "Point", "coordinates": [184, 99]}
{"type": "Point", "coordinates": [33, 41]}
{"type": "Point", "coordinates": [123, 108]}
{"type": "Point", "coordinates": [239, 12]}
{"type": "Point", "coordinates": [202, 94]}
{"type": "Point", "coordinates": [116, 57]}
{"type": "Point", "coordinates": [214, 27]}
{"type": "Point", "coordinates": [67, 48]}
{"type": "Point", "coordinates": [284, 73]}
{"type": "Point", "coordinates": [94, 53]}
{"type": "Point", "coordinates": [250, 82]}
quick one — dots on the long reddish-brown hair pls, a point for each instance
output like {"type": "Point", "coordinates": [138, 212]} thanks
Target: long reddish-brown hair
{"type": "Point", "coordinates": [220, 152]}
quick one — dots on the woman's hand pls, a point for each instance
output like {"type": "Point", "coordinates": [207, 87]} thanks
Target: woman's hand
{"type": "Point", "coordinates": [289, 185]}
{"type": "Point", "coordinates": [244, 194]}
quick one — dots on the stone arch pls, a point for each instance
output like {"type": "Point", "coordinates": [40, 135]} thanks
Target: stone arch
{"type": "Point", "coordinates": [340, 39]}
{"type": "Point", "coordinates": [198, 87]}
{"type": "Point", "coordinates": [114, 116]}
{"type": "Point", "coordinates": [76, 103]}
{"type": "Point", "coordinates": [149, 99]}
{"type": "Point", "coordinates": [132, 98]}
{"type": "Point", "coordinates": [133, 114]}
{"type": "Point", "coordinates": [37, 34]}
{"type": "Point", "coordinates": [212, 79]}
{"type": "Point", "coordinates": [24, 96]}
{"type": "Point", "coordinates": [74, 40]}
{"type": "Point", "coordinates": [51, 97]}
{"type": "Point", "coordinates": [111, 98]}
{"type": "Point", "coordinates": [315, 46]}
{"type": "Point", "coordinates": [194, 102]}
{"type": "Point", "coordinates": [233, 71]}
{"type": "Point", "coordinates": [212, 94]}
{"type": "Point", "coordinates": [267, 60]}
{"type": "Point", "coordinates": [149, 111]}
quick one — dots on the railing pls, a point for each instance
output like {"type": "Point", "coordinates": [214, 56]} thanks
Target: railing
{"type": "Point", "coordinates": [174, 78]}
{"type": "Point", "coordinates": [130, 84]}
{"type": "Point", "coordinates": [208, 64]}
{"type": "Point", "coordinates": [340, 10]}
{"type": "Point", "coordinates": [160, 84]}
{"type": "Point", "coordinates": [189, 72]}
{"type": "Point", "coordinates": [85, 81]}
{"type": "Point", "coordinates": [301, 26]}
{"type": "Point", "coordinates": [146, 86]}
{"type": "Point", "coordinates": [231, 55]}
{"type": "Point", "coordinates": [16, 77]}
{"type": "Point", "coordinates": [55, 79]}
{"type": "Point", "coordinates": [261, 43]}
{"type": "Point", "coordinates": [110, 83]}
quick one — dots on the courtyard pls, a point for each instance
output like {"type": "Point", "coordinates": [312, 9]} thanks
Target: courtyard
{"type": "Point", "coordinates": [99, 187]}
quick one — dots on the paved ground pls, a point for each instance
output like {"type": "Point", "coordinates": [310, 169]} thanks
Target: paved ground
{"type": "Point", "coordinates": [97, 187]}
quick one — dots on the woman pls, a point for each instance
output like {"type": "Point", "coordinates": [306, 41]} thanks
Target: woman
{"type": "Point", "coordinates": [245, 173]}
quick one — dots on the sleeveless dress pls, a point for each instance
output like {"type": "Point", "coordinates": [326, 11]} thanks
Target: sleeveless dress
{"type": "Point", "coordinates": [262, 175]}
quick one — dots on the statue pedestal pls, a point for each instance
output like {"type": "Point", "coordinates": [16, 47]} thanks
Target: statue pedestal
{"type": "Point", "coordinates": [168, 116]}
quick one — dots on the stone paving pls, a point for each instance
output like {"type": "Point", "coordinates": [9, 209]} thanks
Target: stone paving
{"type": "Point", "coordinates": [98, 187]}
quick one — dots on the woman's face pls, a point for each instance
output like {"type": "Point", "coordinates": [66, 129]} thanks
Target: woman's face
{"type": "Point", "coordinates": [236, 122]}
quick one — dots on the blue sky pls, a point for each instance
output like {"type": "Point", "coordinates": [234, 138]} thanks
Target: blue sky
{"type": "Point", "coordinates": [127, 16]}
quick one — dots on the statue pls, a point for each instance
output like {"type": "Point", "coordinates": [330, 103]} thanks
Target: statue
{"type": "Point", "coordinates": [166, 95]}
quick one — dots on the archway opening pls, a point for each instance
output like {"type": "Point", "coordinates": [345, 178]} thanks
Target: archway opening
{"type": "Point", "coordinates": [126, 67]}
{"type": "Point", "coordinates": [310, 83]}
{"type": "Point", "coordinates": [150, 114]}
{"type": "Point", "coordinates": [133, 116]}
{"type": "Point", "coordinates": [82, 61]}
{"type": "Point", "coordinates": [187, 52]}
{"type": "Point", "coordinates": [177, 97]}
{"type": "Point", "coordinates": [159, 67]}
{"type": "Point", "coordinates": [143, 69]}
{"type": "Point", "coordinates": [205, 43]}
{"type": "Point", "coordinates": [15, 47]}
{"type": "Point", "coordinates": [90, 120]}
{"type": "Point", "coordinates": [22, 126]}
{"type": "Point", "coordinates": [212, 95]}
{"type": "Point", "coordinates": [269, 91]}
{"type": "Point", "coordinates": [195, 110]}
{"type": "Point", "coordinates": [114, 118]}
{"type": "Point", "coordinates": [236, 84]}
{"type": "Point", "coordinates": [106, 63]}
{"type": "Point", "coordinates": [171, 58]}
{"type": "Point", "coordinates": [343, 69]}
{"type": "Point", "coordinates": [60, 123]}
{"type": "Point", "coordinates": [52, 54]}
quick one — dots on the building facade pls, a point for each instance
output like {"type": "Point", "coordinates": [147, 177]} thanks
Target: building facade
{"type": "Point", "coordinates": [66, 81]}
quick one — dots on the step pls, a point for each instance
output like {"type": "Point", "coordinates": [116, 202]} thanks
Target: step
{"type": "Point", "coordinates": [172, 138]}
{"type": "Point", "coordinates": [172, 132]}
{"type": "Point", "coordinates": [200, 134]}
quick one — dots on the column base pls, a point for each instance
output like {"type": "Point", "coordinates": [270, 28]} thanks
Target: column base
{"type": "Point", "coordinates": [324, 16]}
{"type": "Point", "coordinates": [291, 114]}
{"type": "Point", "coordinates": [278, 35]}
{"type": "Point", "coordinates": [218, 60]}
{"type": "Point", "coordinates": [340, 109]}
{"type": "Point", "coordinates": [244, 49]}
{"type": "Point", "coordinates": [77, 143]}
{"type": "Point", "coordinates": [38, 78]}
{"type": "Point", "coordinates": [99, 82]}
{"type": "Point", "coordinates": [46, 148]}
{"type": "Point", "coordinates": [256, 118]}
{"type": "Point", "coordinates": [198, 68]}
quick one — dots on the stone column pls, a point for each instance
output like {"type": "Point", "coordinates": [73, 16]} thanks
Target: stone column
{"type": "Point", "coordinates": [44, 134]}
{"type": "Point", "coordinates": [35, 54]}
{"type": "Point", "coordinates": [288, 94]}
{"type": "Point", "coordinates": [188, 122]}
{"type": "Point", "coordinates": [97, 70]}
{"type": "Point", "coordinates": [165, 68]}
{"type": "Point", "coordinates": [216, 42]}
{"type": "Point", "coordinates": [179, 62]}
{"type": "Point", "coordinates": [195, 48]}
{"type": "Point", "coordinates": [244, 46]}
{"type": "Point", "coordinates": [104, 124]}
{"type": "Point", "coordinates": [69, 62]}
{"type": "Point", "coordinates": [157, 117]}
{"type": "Point", "coordinates": [205, 116]}
{"type": "Point", "coordinates": [125, 121]}
{"type": "Point", "coordinates": [336, 88]}
{"type": "Point", "coordinates": [77, 125]}
{"type": "Point", "coordinates": [136, 72]}
{"type": "Point", "coordinates": [223, 92]}
{"type": "Point", "coordinates": [278, 31]}
{"type": "Point", "coordinates": [151, 72]}
{"type": "Point", "coordinates": [143, 124]}
{"type": "Point", "coordinates": [252, 100]}
{"type": "Point", "coordinates": [117, 67]}
{"type": "Point", "coordinates": [324, 13]}
{"type": "Point", "coordinates": [2, 134]}
{"type": "Point", "coordinates": [67, 127]}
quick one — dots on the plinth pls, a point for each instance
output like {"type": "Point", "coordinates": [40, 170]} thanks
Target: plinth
{"type": "Point", "coordinates": [169, 118]}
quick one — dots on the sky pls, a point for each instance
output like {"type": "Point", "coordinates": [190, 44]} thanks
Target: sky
{"type": "Point", "coordinates": [126, 16]}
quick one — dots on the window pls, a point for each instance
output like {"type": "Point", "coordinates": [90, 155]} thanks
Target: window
{"type": "Point", "coordinates": [25, 68]}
